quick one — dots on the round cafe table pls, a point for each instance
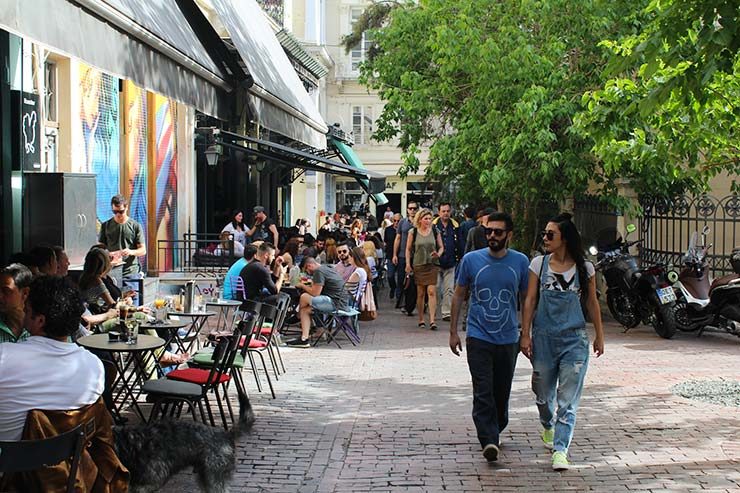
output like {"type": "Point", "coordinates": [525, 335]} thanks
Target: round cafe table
{"type": "Point", "coordinates": [169, 331]}
{"type": "Point", "coordinates": [197, 320]}
{"type": "Point", "coordinates": [136, 363]}
{"type": "Point", "coordinates": [227, 310]}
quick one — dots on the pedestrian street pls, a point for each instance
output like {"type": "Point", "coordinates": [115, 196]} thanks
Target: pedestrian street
{"type": "Point", "coordinates": [393, 414]}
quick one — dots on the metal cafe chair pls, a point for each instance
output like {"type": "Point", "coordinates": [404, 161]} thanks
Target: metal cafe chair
{"type": "Point", "coordinates": [29, 455]}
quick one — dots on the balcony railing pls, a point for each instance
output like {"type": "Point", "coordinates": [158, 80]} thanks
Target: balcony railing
{"type": "Point", "coordinates": [195, 253]}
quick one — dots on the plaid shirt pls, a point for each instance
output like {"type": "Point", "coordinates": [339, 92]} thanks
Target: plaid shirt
{"type": "Point", "coordinates": [7, 335]}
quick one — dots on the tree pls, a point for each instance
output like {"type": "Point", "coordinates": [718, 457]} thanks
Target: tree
{"type": "Point", "coordinates": [668, 119]}
{"type": "Point", "coordinates": [493, 87]}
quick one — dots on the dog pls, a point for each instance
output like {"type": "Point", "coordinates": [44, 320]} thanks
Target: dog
{"type": "Point", "coordinates": [154, 452]}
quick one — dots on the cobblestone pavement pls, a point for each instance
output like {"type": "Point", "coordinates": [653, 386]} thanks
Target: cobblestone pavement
{"type": "Point", "coordinates": [394, 415]}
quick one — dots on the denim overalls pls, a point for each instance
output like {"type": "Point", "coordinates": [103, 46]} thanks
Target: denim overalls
{"type": "Point", "coordinates": [560, 350]}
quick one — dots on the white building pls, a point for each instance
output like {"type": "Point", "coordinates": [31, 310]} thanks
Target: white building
{"type": "Point", "coordinates": [320, 25]}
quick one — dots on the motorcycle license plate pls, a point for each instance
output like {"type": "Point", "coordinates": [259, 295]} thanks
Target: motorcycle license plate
{"type": "Point", "coordinates": [666, 295]}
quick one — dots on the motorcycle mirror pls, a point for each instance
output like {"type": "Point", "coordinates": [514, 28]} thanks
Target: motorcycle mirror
{"type": "Point", "coordinates": [593, 250]}
{"type": "Point", "coordinates": [705, 230]}
{"type": "Point", "coordinates": [672, 276]}
{"type": "Point", "coordinates": [631, 228]}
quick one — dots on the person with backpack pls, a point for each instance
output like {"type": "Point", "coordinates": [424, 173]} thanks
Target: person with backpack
{"type": "Point", "coordinates": [449, 231]}
{"type": "Point", "coordinates": [424, 247]}
{"type": "Point", "coordinates": [561, 285]}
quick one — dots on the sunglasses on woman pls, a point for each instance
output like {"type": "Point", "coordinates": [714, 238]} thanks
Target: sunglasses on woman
{"type": "Point", "coordinates": [550, 235]}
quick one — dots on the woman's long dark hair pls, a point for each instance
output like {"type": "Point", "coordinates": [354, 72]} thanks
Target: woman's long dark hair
{"type": "Point", "coordinates": [234, 223]}
{"type": "Point", "coordinates": [97, 262]}
{"type": "Point", "coordinates": [574, 247]}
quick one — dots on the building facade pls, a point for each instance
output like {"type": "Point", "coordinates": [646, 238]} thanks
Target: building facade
{"type": "Point", "coordinates": [321, 25]}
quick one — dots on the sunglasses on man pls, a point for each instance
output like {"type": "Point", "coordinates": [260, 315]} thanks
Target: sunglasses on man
{"type": "Point", "coordinates": [495, 231]}
{"type": "Point", "coordinates": [412, 208]}
{"type": "Point", "coordinates": [119, 211]}
{"type": "Point", "coordinates": [343, 252]}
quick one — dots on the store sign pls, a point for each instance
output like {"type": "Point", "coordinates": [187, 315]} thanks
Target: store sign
{"type": "Point", "coordinates": [27, 134]}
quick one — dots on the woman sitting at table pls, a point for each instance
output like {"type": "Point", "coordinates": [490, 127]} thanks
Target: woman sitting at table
{"type": "Point", "coordinates": [329, 255]}
{"type": "Point", "coordinates": [225, 247]}
{"type": "Point", "coordinates": [359, 278]}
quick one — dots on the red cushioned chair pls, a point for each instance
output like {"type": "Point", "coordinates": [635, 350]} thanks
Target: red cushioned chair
{"type": "Point", "coordinates": [193, 385]}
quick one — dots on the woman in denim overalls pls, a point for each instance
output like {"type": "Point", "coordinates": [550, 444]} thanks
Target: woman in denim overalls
{"type": "Point", "coordinates": [558, 345]}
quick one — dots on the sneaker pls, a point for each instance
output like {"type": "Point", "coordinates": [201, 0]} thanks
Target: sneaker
{"type": "Point", "coordinates": [298, 342]}
{"type": "Point", "coordinates": [548, 435]}
{"type": "Point", "coordinates": [445, 318]}
{"type": "Point", "coordinates": [560, 461]}
{"type": "Point", "coordinates": [490, 452]}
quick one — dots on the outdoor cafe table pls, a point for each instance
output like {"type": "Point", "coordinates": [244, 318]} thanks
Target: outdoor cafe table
{"type": "Point", "coordinates": [225, 308]}
{"type": "Point", "coordinates": [131, 365]}
{"type": "Point", "coordinates": [197, 321]}
{"type": "Point", "coordinates": [169, 331]}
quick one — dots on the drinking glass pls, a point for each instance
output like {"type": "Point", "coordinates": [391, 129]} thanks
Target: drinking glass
{"type": "Point", "coordinates": [132, 329]}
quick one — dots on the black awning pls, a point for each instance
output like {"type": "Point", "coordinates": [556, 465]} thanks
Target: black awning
{"type": "Point", "coordinates": [303, 158]}
{"type": "Point", "coordinates": [150, 43]}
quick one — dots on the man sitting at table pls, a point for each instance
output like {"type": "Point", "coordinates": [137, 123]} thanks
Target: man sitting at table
{"type": "Point", "coordinates": [14, 282]}
{"type": "Point", "coordinates": [45, 371]}
{"type": "Point", "coordinates": [236, 268]}
{"type": "Point", "coordinates": [326, 281]}
{"type": "Point", "coordinates": [259, 283]}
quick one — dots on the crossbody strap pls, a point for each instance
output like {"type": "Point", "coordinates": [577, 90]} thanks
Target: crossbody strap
{"type": "Point", "coordinates": [539, 283]}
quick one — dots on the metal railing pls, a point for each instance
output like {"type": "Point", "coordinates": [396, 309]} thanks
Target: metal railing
{"type": "Point", "coordinates": [667, 226]}
{"type": "Point", "coordinates": [195, 253]}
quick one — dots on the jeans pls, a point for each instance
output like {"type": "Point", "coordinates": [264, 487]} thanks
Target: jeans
{"type": "Point", "coordinates": [492, 371]}
{"type": "Point", "coordinates": [400, 279]}
{"type": "Point", "coordinates": [391, 276]}
{"type": "Point", "coordinates": [559, 361]}
{"type": "Point", "coordinates": [446, 285]}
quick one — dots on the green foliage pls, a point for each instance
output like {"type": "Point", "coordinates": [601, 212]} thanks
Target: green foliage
{"type": "Point", "coordinates": [668, 119]}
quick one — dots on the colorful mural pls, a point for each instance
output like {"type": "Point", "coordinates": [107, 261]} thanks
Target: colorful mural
{"type": "Point", "coordinates": [166, 177]}
{"type": "Point", "coordinates": [136, 156]}
{"type": "Point", "coordinates": [100, 119]}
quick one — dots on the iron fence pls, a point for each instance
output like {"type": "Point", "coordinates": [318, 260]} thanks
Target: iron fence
{"type": "Point", "coordinates": [195, 253]}
{"type": "Point", "coordinates": [667, 226]}
{"type": "Point", "coordinates": [595, 220]}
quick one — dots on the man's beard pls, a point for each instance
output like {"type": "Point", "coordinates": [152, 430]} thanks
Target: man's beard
{"type": "Point", "coordinates": [496, 245]}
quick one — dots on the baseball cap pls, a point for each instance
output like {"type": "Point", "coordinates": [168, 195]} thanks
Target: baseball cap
{"type": "Point", "coordinates": [258, 208]}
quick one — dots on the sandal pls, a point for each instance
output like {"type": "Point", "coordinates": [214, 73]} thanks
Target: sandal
{"type": "Point", "coordinates": [432, 326]}
{"type": "Point", "coordinates": [422, 325]}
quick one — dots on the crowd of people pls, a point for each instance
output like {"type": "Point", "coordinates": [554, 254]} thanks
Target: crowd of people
{"type": "Point", "coordinates": [428, 260]}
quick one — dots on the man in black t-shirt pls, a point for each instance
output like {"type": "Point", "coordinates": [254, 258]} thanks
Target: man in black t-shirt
{"type": "Point", "coordinates": [325, 281]}
{"type": "Point", "coordinates": [264, 228]}
{"type": "Point", "coordinates": [259, 283]}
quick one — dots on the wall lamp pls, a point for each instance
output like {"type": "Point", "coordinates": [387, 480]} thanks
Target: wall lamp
{"type": "Point", "coordinates": [213, 153]}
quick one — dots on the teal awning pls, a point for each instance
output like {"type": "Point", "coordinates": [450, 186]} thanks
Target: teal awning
{"type": "Point", "coordinates": [348, 155]}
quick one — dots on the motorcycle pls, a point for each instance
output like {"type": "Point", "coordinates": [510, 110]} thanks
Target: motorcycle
{"type": "Point", "coordinates": [702, 304]}
{"type": "Point", "coordinates": [636, 294]}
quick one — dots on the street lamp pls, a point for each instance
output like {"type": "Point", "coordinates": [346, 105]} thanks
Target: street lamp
{"type": "Point", "coordinates": [213, 153]}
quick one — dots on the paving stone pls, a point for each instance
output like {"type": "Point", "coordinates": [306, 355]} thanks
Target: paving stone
{"type": "Point", "coordinates": [393, 414]}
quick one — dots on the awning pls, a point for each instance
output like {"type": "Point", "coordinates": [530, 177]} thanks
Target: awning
{"type": "Point", "coordinates": [150, 43]}
{"type": "Point", "coordinates": [279, 100]}
{"type": "Point", "coordinates": [303, 158]}
{"type": "Point", "coordinates": [351, 158]}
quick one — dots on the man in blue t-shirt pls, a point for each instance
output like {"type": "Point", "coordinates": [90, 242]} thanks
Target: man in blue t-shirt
{"type": "Point", "coordinates": [496, 277]}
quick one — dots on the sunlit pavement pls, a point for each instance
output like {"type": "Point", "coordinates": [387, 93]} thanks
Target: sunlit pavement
{"type": "Point", "coordinates": [394, 415]}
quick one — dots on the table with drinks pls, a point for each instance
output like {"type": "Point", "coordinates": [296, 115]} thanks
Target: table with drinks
{"type": "Point", "coordinates": [135, 360]}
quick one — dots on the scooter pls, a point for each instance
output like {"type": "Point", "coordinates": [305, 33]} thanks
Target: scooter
{"type": "Point", "coordinates": [636, 294]}
{"type": "Point", "coordinates": [702, 304]}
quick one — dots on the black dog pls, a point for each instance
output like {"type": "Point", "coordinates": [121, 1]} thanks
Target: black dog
{"type": "Point", "coordinates": [154, 452]}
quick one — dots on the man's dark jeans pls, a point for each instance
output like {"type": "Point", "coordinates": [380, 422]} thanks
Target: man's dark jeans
{"type": "Point", "coordinates": [391, 275]}
{"type": "Point", "coordinates": [400, 280]}
{"type": "Point", "coordinates": [492, 370]}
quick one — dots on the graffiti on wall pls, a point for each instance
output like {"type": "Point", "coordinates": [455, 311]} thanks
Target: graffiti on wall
{"type": "Point", "coordinates": [166, 177]}
{"type": "Point", "coordinates": [99, 117]}
{"type": "Point", "coordinates": [136, 154]}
